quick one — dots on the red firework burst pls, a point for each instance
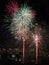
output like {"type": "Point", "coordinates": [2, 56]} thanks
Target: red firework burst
{"type": "Point", "coordinates": [12, 7]}
{"type": "Point", "coordinates": [33, 13]}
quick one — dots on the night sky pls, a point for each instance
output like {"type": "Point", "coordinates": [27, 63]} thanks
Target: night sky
{"type": "Point", "coordinates": [42, 17]}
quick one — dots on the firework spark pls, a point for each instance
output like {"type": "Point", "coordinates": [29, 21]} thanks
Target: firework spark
{"type": "Point", "coordinates": [36, 38]}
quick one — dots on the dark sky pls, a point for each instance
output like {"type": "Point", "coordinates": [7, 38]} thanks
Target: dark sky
{"type": "Point", "coordinates": [42, 8]}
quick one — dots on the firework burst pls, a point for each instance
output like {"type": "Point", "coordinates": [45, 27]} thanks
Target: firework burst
{"type": "Point", "coordinates": [20, 24]}
{"type": "Point", "coordinates": [11, 7]}
{"type": "Point", "coordinates": [37, 39]}
{"type": "Point", "coordinates": [22, 20]}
